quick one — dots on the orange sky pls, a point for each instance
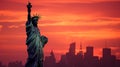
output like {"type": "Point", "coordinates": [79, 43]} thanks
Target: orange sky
{"type": "Point", "coordinates": [91, 22]}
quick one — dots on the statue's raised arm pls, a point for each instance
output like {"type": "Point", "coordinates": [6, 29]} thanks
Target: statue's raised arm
{"type": "Point", "coordinates": [29, 6]}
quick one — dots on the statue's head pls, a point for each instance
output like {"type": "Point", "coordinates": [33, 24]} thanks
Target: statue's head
{"type": "Point", "coordinates": [35, 20]}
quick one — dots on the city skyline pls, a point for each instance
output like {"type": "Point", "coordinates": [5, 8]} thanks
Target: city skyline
{"type": "Point", "coordinates": [83, 59]}
{"type": "Point", "coordinates": [80, 59]}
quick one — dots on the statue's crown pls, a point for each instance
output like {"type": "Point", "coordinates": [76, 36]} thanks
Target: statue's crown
{"type": "Point", "coordinates": [36, 16]}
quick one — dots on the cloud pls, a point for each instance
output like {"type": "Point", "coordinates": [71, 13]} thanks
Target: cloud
{"type": "Point", "coordinates": [17, 27]}
{"type": "Point", "coordinates": [11, 5]}
{"type": "Point", "coordinates": [106, 42]}
{"type": "Point", "coordinates": [65, 1]}
{"type": "Point", "coordinates": [1, 27]}
{"type": "Point", "coordinates": [81, 28]}
{"type": "Point", "coordinates": [52, 12]}
{"type": "Point", "coordinates": [116, 51]}
{"type": "Point", "coordinates": [104, 8]}
{"type": "Point", "coordinates": [4, 16]}
{"type": "Point", "coordinates": [13, 26]}
{"type": "Point", "coordinates": [11, 16]}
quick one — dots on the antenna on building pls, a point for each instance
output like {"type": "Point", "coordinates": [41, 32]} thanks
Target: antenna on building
{"type": "Point", "coordinates": [106, 44]}
{"type": "Point", "coordinates": [80, 46]}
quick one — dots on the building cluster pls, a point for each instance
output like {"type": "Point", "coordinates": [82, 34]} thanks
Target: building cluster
{"type": "Point", "coordinates": [87, 59]}
{"type": "Point", "coordinates": [1, 65]}
{"type": "Point", "coordinates": [13, 64]}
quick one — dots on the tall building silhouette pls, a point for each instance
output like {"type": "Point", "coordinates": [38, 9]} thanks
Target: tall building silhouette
{"type": "Point", "coordinates": [106, 52]}
{"type": "Point", "coordinates": [1, 65]}
{"type": "Point", "coordinates": [72, 48]}
{"type": "Point", "coordinates": [50, 61]}
{"type": "Point", "coordinates": [68, 60]}
{"type": "Point", "coordinates": [79, 57]}
{"type": "Point", "coordinates": [89, 59]}
{"type": "Point", "coordinates": [70, 56]}
{"type": "Point", "coordinates": [89, 52]}
{"type": "Point", "coordinates": [107, 59]}
{"type": "Point", "coordinates": [80, 53]}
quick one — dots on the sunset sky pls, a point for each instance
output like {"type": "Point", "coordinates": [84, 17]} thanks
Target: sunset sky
{"type": "Point", "coordinates": [92, 22]}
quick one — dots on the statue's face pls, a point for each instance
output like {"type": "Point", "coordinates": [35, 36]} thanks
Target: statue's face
{"type": "Point", "coordinates": [35, 21]}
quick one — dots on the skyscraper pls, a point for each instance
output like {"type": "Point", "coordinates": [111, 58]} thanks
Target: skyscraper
{"type": "Point", "coordinates": [81, 52]}
{"type": "Point", "coordinates": [89, 51]}
{"type": "Point", "coordinates": [72, 48]}
{"type": "Point", "coordinates": [106, 52]}
{"type": "Point", "coordinates": [50, 61]}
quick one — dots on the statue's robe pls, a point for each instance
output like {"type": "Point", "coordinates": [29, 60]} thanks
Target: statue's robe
{"type": "Point", "coordinates": [34, 46]}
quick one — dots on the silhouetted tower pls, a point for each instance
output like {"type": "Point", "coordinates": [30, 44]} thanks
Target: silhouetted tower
{"type": "Point", "coordinates": [72, 48]}
{"type": "Point", "coordinates": [80, 52]}
{"type": "Point", "coordinates": [89, 59]}
{"type": "Point", "coordinates": [79, 57]}
{"type": "Point", "coordinates": [107, 59]}
{"type": "Point", "coordinates": [105, 44]}
{"type": "Point", "coordinates": [106, 52]}
{"type": "Point", "coordinates": [50, 61]}
{"type": "Point", "coordinates": [1, 65]}
{"type": "Point", "coordinates": [89, 51]}
{"type": "Point", "coordinates": [80, 46]}
{"type": "Point", "coordinates": [70, 55]}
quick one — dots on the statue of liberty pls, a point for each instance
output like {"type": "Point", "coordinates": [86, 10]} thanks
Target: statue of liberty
{"type": "Point", "coordinates": [35, 41]}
